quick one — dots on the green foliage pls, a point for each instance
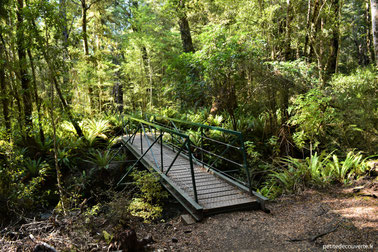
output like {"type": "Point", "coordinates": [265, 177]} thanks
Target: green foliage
{"type": "Point", "coordinates": [312, 115]}
{"type": "Point", "coordinates": [108, 237]}
{"type": "Point", "coordinates": [249, 71]}
{"type": "Point", "coordinates": [95, 130]}
{"type": "Point", "coordinates": [353, 165]}
{"type": "Point", "coordinates": [251, 150]}
{"type": "Point", "coordinates": [298, 71]}
{"type": "Point", "coordinates": [147, 204]}
{"type": "Point", "coordinates": [101, 159]}
{"type": "Point", "coordinates": [356, 99]}
{"type": "Point", "coordinates": [314, 171]}
{"type": "Point", "coordinates": [32, 166]}
{"type": "Point", "coordinates": [119, 208]}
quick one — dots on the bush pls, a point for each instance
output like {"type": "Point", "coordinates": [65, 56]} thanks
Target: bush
{"type": "Point", "coordinates": [315, 171]}
{"type": "Point", "coordinates": [312, 116]}
{"type": "Point", "coordinates": [147, 203]}
{"type": "Point", "coordinates": [355, 97]}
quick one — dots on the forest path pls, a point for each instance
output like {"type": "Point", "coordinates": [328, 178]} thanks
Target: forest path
{"type": "Point", "coordinates": [328, 218]}
{"type": "Point", "coordinates": [311, 221]}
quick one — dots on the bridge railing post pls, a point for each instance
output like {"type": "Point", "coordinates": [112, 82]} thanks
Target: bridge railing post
{"type": "Point", "coordinates": [192, 169]}
{"type": "Point", "coordinates": [202, 146]}
{"type": "Point", "coordinates": [245, 163]}
{"type": "Point", "coordinates": [161, 151]}
{"type": "Point", "coordinates": [141, 140]}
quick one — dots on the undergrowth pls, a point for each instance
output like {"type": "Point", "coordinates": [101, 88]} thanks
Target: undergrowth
{"type": "Point", "coordinates": [293, 175]}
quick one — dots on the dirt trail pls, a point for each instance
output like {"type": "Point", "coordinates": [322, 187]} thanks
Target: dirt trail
{"type": "Point", "coordinates": [297, 223]}
{"type": "Point", "coordinates": [308, 222]}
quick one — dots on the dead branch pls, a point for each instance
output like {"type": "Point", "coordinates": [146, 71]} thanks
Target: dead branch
{"type": "Point", "coordinates": [313, 238]}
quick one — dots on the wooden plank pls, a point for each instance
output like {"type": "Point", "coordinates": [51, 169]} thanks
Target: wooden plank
{"type": "Point", "coordinates": [228, 206]}
{"type": "Point", "coordinates": [181, 170]}
{"type": "Point", "coordinates": [214, 187]}
{"type": "Point", "coordinates": [188, 176]}
{"type": "Point", "coordinates": [218, 195]}
{"type": "Point", "coordinates": [214, 190]}
{"type": "Point", "coordinates": [209, 185]}
{"type": "Point", "coordinates": [228, 198]}
{"type": "Point", "coordinates": [200, 183]}
{"type": "Point", "coordinates": [224, 203]}
{"type": "Point", "coordinates": [196, 175]}
{"type": "Point", "coordinates": [198, 179]}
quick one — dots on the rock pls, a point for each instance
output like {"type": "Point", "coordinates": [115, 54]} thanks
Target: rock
{"type": "Point", "coordinates": [358, 188]}
{"type": "Point", "coordinates": [127, 241]}
{"type": "Point", "coordinates": [187, 219]}
{"type": "Point", "coordinates": [45, 216]}
{"type": "Point", "coordinates": [174, 239]}
{"type": "Point", "coordinates": [43, 248]}
{"type": "Point", "coordinates": [148, 239]}
{"type": "Point", "coordinates": [187, 231]}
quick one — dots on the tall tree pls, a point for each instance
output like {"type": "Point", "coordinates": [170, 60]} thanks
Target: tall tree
{"type": "Point", "coordinates": [186, 36]}
{"type": "Point", "coordinates": [4, 90]}
{"type": "Point", "coordinates": [23, 73]}
{"type": "Point", "coordinates": [335, 39]}
{"type": "Point", "coordinates": [369, 35]}
{"type": "Point", "coordinates": [38, 102]}
{"type": "Point", "coordinates": [374, 20]}
{"type": "Point", "coordinates": [289, 18]}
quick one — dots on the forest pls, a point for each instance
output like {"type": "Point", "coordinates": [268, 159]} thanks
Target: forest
{"type": "Point", "coordinates": [297, 78]}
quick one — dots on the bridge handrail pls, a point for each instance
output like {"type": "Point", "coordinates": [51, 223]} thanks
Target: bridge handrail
{"type": "Point", "coordinates": [158, 126]}
{"type": "Point", "coordinates": [186, 144]}
{"type": "Point", "coordinates": [238, 134]}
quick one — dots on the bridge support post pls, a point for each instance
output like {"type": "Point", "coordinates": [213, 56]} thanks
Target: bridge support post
{"type": "Point", "coordinates": [141, 140]}
{"type": "Point", "coordinates": [192, 170]}
{"type": "Point", "coordinates": [245, 164]}
{"type": "Point", "coordinates": [161, 151]}
{"type": "Point", "coordinates": [202, 147]}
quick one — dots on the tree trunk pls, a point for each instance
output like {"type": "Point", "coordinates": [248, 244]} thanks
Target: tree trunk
{"type": "Point", "coordinates": [64, 38]}
{"type": "Point", "coordinates": [84, 9]}
{"type": "Point", "coordinates": [63, 13]}
{"type": "Point", "coordinates": [374, 21]}
{"type": "Point", "coordinates": [24, 77]}
{"type": "Point", "coordinates": [4, 91]}
{"type": "Point", "coordinates": [118, 88]}
{"type": "Point", "coordinates": [57, 168]}
{"type": "Point", "coordinates": [36, 97]}
{"type": "Point", "coordinates": [186, 36]}
{"type": "Point", "coordinates": [67, 109]}
{"type": "Point", "coordinates": [308, 23]}
{"type": "Point", "coordinates": [50, 64]}
{"type": "Point", "coordinates": [312, 34]}
{"type": "Point", "coordinates": [369, 35]}
{"type": "Point", "coordinates": [289, 18]}
{"type": "Point", "coordinates": [335, 41]}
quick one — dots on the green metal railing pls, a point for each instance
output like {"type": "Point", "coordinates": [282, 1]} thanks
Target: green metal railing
{"type": "Point", "coordinates": [154, 134]}
{"type": "Point", "coordinates": [225, 162]}
{"type": "Point", "coordinates": [225, 158]}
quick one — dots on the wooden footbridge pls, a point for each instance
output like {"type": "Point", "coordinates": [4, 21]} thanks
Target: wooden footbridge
{"type": "Point", "coordinates": [207, 175]}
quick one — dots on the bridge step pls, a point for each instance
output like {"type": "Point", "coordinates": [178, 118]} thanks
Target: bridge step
{"type": "Point", "coordinates": [215, 195]}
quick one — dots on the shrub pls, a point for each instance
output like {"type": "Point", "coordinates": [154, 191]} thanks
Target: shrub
{"type": "Point", "coordinates": [314, 171]}
{"type": "Point", "coordinates": [312, 115]}
{"type": "Point", "coordinates": [355, 97]}
{"type": "Point", "coordinates": [147, 203]}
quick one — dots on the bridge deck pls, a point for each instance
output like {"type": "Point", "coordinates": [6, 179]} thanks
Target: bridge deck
{"type": "Point", "coordinates": [214, 193]}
